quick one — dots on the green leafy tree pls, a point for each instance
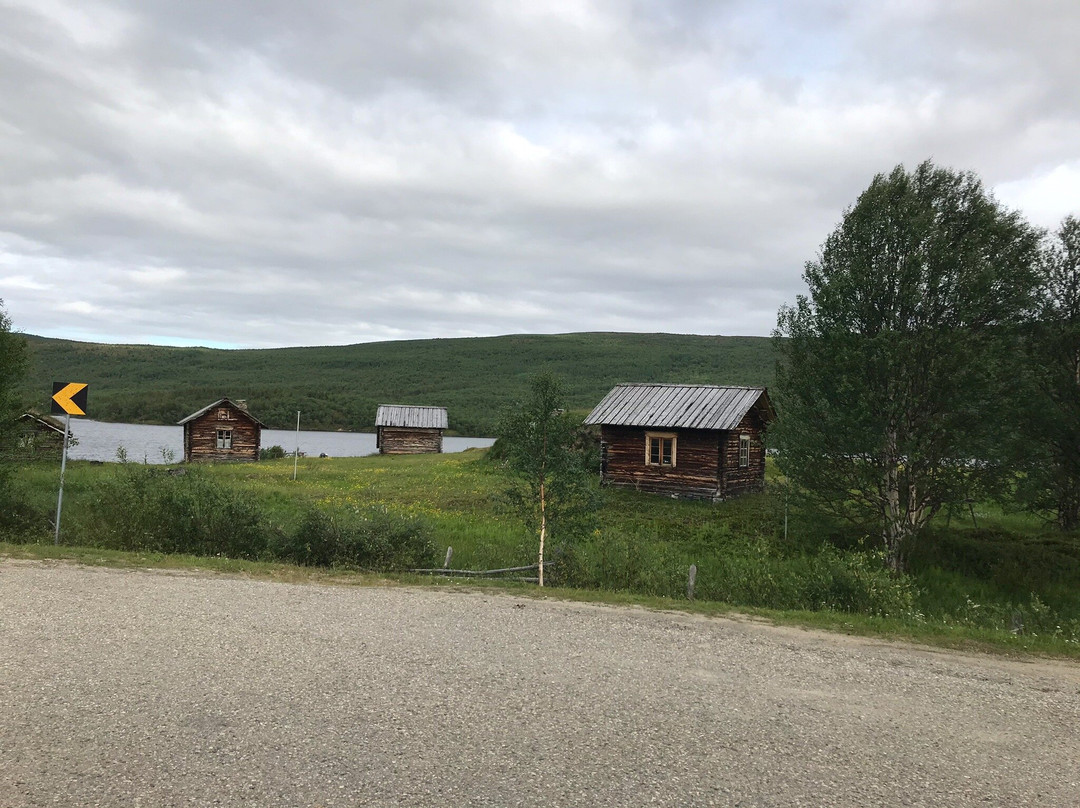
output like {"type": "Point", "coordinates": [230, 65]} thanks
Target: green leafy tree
{"type": "Point", "coordinates": [1049, 447]}
{"type": "Point", "coordinates": [552, 488]}
{"type": "Point", "coordinates": [13, 362]}
{"type": "Point", "coordinates": [892, 372]}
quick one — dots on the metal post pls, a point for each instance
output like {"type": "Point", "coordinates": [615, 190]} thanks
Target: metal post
{"type": "Point", "coordinates": [63, 468]}
{"type": "Point", "coordinates": [296, 454]}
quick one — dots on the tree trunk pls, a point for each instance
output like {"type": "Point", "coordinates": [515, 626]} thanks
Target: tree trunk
{"type": "Point", "coordinates": [894, 523]}
{"type": "Point", "coordinates": [1068, 517]}
{"type": "Point", "coordinates": [543, 533]}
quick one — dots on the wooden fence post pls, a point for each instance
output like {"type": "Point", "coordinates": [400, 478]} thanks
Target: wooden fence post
{"type": "Point", "coordinates": [449, 553]}
{"type": "Point", "coordinates": [691, 579]}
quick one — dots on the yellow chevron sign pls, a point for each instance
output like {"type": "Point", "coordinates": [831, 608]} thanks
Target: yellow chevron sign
{"type": "Point", "coordinates": [69, 397]}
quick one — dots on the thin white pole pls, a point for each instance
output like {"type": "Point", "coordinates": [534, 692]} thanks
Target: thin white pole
{"type": "Point", "coordinates": [296, 454]}
{"type": "Point", "coordinates": [63, 468]}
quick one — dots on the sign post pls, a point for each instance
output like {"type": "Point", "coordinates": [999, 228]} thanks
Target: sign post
{"type": "Point", "coordinates": [67, 399]}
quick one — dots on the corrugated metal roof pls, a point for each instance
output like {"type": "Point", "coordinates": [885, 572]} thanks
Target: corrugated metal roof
{"type": "Point", "coordinates": [219, 403]}
{"type": "Point", "coordinates": [409, 416]}
{"type": "Point", "coordinates": [686, 406]}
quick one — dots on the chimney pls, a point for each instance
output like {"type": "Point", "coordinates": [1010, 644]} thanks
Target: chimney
{"type": "Point", "coordinates": [241, 403]}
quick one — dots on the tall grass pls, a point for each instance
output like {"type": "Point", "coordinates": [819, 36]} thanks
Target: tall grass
{"type": "Point", "coordinates": [401, 512]}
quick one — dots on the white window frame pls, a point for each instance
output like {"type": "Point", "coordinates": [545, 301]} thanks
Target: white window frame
{"type": "Point", "coordinates": [225, 414]}
{"type": "Point", "coordinates": [661, 436]}
{"type": "Point", "coordinates": [224, 438]}
{"type": "Point", "coordinates": [744, 450]}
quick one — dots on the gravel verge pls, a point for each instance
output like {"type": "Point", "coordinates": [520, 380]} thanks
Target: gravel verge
{"type": "Point", "coordinates": [155, 688]}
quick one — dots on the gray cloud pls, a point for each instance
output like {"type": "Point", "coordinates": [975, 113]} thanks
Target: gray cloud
{"type": "Point", "coordinates": [260, 174]}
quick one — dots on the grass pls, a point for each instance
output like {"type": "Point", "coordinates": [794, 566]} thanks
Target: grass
{"type": "Point", "coordinates": [967, 589]}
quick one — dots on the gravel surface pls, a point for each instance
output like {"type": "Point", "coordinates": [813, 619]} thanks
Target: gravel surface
{"type": "Point", "coordinates": [148, 688]}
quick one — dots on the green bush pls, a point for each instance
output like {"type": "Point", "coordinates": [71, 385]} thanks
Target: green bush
{"type": "Point", "coordinates": [272, 453]}
{"type": "Point", "coordinates": [316, 541]}
{"type": "Point", "coordinates": [740, 573]}
{"type": "Point", "coordinates": [146, 508]}
{"type": "Point", "coordinates": [373, 539]}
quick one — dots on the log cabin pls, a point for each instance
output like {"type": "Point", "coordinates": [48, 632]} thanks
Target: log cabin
{"type": "Point", "coordinates": [39, 436]}
{"type": "Point", "coordinates": [692, 441]}
{"type": "Point", "coordinates": [222, 432]}
{"type": "Point", "coordinates": [402, 429]}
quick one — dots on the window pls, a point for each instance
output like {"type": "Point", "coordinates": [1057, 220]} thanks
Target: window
{"type": "Point", "coordinates": [224, 414]}
{"type": "Point", "coordinates": [744, 451]}
{"type": "Point", "coordinates": [224, 438]}
{"type": "Point", "coordinates": [659, 449]}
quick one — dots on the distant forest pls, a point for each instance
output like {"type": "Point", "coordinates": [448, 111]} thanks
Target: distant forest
{"type": "Point", "coordinates": [340, 387]}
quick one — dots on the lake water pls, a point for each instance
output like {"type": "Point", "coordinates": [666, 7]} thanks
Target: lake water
{"type": "Point", "coordinates": [100, 440]}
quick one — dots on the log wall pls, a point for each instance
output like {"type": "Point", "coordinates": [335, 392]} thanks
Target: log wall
{"type": "Point", "coordinates": [695, 475]}
{"type": "Point", "coordinates": [736, 480]}
{"type": "Point", "coordinates": [200, 437]}
{"type": "Point", "coordinates": [404, 440]}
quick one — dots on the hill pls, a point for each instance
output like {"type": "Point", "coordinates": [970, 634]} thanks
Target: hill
{"type": "Point", "coordinates": [339, 387]}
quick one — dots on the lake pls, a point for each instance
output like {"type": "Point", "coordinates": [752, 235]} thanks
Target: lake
{"type": "Point", "coordinates": [100, 440]}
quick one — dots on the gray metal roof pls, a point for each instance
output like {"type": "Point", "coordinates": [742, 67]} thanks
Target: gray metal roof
{"type": "Point", "coordinates": [410, 416]}
{"type": "Point", "coordinates": [686, 406]}
{"type": "Point", "coordinates": [219, 403]}
{"type": "Point", "coordinates": [46, 421]}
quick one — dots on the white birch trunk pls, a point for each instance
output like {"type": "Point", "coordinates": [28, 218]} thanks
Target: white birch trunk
{"type": "Point", "coordinates": [543, 533]}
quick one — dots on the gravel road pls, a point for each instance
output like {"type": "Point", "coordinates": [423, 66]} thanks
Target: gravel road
{"type": "Point", "coordinates": [149, 688]}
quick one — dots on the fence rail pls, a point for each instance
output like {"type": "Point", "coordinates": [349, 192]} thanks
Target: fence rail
{"type": "Point", "coordinates": [482, 573]}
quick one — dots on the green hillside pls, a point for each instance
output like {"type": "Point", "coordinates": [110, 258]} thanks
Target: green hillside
{"type": "Point", "coordinates": [339, 387]}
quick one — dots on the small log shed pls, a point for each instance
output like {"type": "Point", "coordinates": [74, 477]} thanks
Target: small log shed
{"type": "Point", "coordinates": [39, 436]}
{"type": "Point", "coordinates": [691, 441]}
{"type": "Point", "coordinates": [222, 431]}
{"type": "Point", "coordinates": [403, 429]}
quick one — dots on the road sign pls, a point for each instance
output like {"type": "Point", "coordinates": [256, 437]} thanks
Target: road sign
{"type": "Point", "coordinates": [69, 398]}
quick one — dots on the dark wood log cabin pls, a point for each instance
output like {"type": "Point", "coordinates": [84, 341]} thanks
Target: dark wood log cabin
{"type": "Point", "coordinates": [685, 440]}
{"type": "Point", "coordinates": [221, 432]}
{"type": "Point", "coordinates": [39, 436]}
{"type": "Point", "coordinates": [402, 429]}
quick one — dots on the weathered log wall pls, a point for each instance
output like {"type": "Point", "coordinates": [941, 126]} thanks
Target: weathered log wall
{"type": "Point", "coordinates": [696, 472]}
{"type": "Point", "coordinates": [737, 480]}
{"type": "Point", "coordinates": [201, 437]}
{"type": "Point", "coordinates": [403, 440]}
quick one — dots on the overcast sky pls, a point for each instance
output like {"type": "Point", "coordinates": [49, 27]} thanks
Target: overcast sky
{"type": "Point", "coordinates": [272, 173]}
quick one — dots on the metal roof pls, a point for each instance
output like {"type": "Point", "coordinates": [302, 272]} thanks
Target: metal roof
{"type": "Point", "coordinates": [46, 421]}
{"type": "Point", "coordinates": [686, 406]}
{"type": "Point", "coordinates": [410, 416]}
{"type": "Point", "coordinates": [219, 403]}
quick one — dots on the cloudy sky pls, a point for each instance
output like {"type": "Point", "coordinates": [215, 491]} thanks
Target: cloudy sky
{"type": "Point", "coordinates": [270, 173]}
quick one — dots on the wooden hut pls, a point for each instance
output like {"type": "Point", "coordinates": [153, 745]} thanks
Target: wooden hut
{"type": "Point", "coordinates": [403, 429]}
{"type": "Point", "coordinates": [222, 431]}
{"type": "Point", "coordinates": [686, 440]}
{"type": "Point", "coordinates": [39, 436]}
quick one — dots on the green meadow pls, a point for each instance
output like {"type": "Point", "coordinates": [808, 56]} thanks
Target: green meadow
{"type": "Point", "coordinates": [1002, 582]}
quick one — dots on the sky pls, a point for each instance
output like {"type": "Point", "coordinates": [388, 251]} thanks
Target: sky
{"type": "Point", "coordinates": [264, 173]}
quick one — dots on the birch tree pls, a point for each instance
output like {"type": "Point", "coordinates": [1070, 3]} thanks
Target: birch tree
{"type": "Point", "coordinates": [892, 370]}
{"type": "Point", "coordinates": [13, 363]}
{"type": "Point", "coordinates": [1048, 451]}
{"type": "Point", "coordinates": [552, 488]}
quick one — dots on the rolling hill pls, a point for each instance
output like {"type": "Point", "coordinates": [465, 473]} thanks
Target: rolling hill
{"type": "Point", "coordinates": [339, 387]}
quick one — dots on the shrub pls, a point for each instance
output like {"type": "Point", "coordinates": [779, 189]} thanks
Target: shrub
{"type": "Point", "coordinates": [271, 453]}
{"type": "Point", "coordinates": [373, 539]}
{"type": "Point", "coordinates": [316, 541]}
{"type": "Point", "coordinates": [144, 508]}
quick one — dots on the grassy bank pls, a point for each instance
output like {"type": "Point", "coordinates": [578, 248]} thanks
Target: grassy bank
{"type": "Point", "coordinates": [1004, 583]}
